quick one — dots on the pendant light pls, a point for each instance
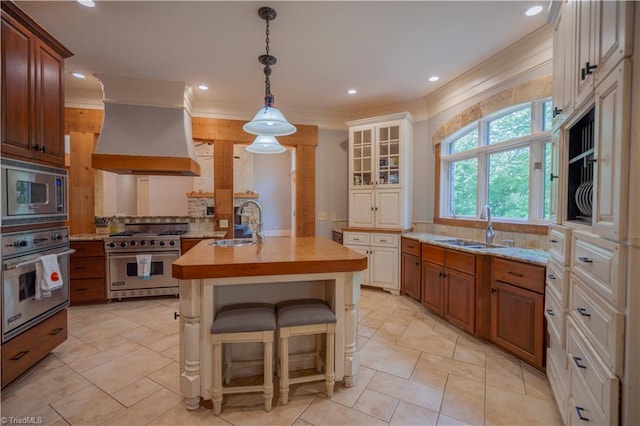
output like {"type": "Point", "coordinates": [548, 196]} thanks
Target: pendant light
{"type": "Point", "coordinates": [265, 144]}
{"type": "Point", "coordinates": [269, 121]}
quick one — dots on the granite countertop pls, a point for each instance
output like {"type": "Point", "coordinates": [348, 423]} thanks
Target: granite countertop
{"type": "Point", "coordinates": [534, 256]}
{"type": "Point", "coordinates": [87, 237]}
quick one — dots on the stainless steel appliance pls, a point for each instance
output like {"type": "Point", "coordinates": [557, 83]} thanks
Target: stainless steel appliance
{"type": "Point", "coordinates": [20, 253]}
{"type": "Point", "coordinates": [161, 241]}
{"type": "Point", "coordinates": [32, 193]}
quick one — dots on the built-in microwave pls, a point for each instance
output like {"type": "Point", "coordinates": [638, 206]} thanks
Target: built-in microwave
{"type": "Point", "coordinates": [32, 193]}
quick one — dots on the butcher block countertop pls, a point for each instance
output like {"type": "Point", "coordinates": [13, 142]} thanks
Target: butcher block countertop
{"type": "Point", "coordinates": [275, 256]}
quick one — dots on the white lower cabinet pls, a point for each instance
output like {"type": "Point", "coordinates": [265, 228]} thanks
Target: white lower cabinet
{"type": "Point", "coordinates": [383, 258]}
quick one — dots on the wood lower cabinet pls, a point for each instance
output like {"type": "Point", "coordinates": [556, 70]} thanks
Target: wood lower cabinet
{"type": "Point", "coordinates": [449, 285]}
{"type": "Point", "coordinates": [410, 273]}
{"type": "Point", "coordinates": [517, 309]}
{"type": "Point", "coordinates": [187, 244]}
{"type": "Point", "coordinates": [337, 237]}
{"type": "Point", "coordinates": [32, 90]}
{"type": "Point", "coordinates": [87, 274]}
{"type": "Point", "coordinates": [23, 351]}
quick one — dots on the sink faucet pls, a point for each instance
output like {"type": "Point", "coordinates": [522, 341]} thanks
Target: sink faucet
{"type": "Point", "coordinates": [258, 232]}
{"type": "Point", "coordinates": [489, 234]}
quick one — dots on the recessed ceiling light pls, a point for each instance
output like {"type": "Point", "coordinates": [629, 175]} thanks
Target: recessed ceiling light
{"type": "Point", "coordinates": [532, 11]}
{"type": "Point", "coordinates": [203, 87]}
{"type": "Point", "coordinates": [434, 78]}
{"type": "Point", "coordinates": [78, 75]}
{"type": "Point", "coordinates": [87, 3]}
{"type": "Point", "coordinates": [352, 91]}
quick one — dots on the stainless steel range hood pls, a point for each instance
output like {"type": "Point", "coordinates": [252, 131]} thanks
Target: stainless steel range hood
{"type": "Point", "coordinates": [146, 129]}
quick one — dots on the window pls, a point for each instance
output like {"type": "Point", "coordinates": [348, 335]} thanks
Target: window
{"type": "Point", "coordinates": [503, 160]}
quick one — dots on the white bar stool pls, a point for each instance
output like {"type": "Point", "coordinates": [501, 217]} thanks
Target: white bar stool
{"type": "Point", "coordinates": [300, 318]}
{"type": "Point", "coordinates": [242, 323]}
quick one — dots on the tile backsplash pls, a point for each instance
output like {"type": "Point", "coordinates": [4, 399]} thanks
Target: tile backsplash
{"type": "Point", "coordinates": [196, 224]}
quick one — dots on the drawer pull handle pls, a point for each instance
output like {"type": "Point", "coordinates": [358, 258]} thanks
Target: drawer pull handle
{"type": "Point", "coordinates": [583, 312]}
{"type": "Point", "coordinates": [585, 259]}
{"type": "Point", "coordinates": [417, 263]}
{"type": "Point", "coordinates": [383, 241]}
{"type": "Point", "coordinates": [515, 274]}
{"type": "Point", "coordinates": [553, 241]}
{"type": "Point", "coordinates": [493, 290]}
{"type": "Point", "coordinates": [19, 355]}
{"type": "Point", "coordinates": [550, 312]}
{"type": "Point", "coordinates": [551, 277]}
{"type": "Point", "coordinates": [356, 239]}
{"type": "Point", "coordinates": [80, 290]}
{"type": "Point", "coordinates": [579, 411]}
{"type": "Point", "coordinates": [175, 315]}
{"type": "Point", "coordinates": [577, 360]}
{"type": "Point", "coordinates": [80, 267]}
{"type": "Point", "coordinates": [56, 331]}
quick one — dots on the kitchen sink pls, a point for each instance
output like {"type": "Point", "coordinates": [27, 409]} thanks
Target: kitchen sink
{"type": "Point", "coordinates": [235, 242]}
{"type": "Point", "coordinates": [469, 244]}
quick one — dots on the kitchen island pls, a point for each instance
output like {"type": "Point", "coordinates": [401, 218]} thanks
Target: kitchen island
{"type": "Point", "coordinates": [279, 268]}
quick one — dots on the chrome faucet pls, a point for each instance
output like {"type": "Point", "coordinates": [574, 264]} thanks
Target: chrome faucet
{"type": "Point", "coordinates": [258, 231]}
{"type": "Point", "coordinates": [489, 234]}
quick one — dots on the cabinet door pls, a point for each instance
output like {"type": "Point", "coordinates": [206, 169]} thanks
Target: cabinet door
{"type": "Point", "coordinates": [585, 31]}
{"type": "Point", "coordinates": [614, 33]}
{"type": "Point", "coordinates": [563, 64]}
{"type": "Point", "coordinates": [433, 287]}
{"type": "Point", "coordinates": [460, 300]}
{"type": "Point", "coordinates": [18, 91]}
{"type": "Point", "coordinates": [611, 147]}
{"type": "Point", "coordinates": [388, 208]}
{"type": "Point", "coordinates": [361, 208]}
{"type": "Point", "coordinates": [363, 250]}
{"type": "Point", "coordinates": [384, 267]}
{"type": "Point", "coordinates": [388, 155]}
{"type": "Point", "coordinates": [49, 105]}
{"type": "Point", "coordinates": [410, 275]}
{"type": "Point", "coordinates": [553, 177]}
{"type": "Point", "coordinates": [516, 321]}
{"type": "Point", "coordinates": [362, 157]}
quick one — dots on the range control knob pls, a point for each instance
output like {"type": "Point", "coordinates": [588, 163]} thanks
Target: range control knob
{"type": "Point", "coordinates": [123, 244]}
{"type": "Point", "coordinates": [133, 243]}
{"type": "Point", "coordinates": [172, 243]}
{"type": "Point", "coordinates": [161, 243]}
{"type": "Point", "coordinates": [152, 242]}
{"type": "Point", "coordinates": [56, 237]}
{"type": "Point", "coordinates": [143, 243]}
{"type": "Point", "coordinates": [20, 243]}
{"type": "Point", "coordinates": [112, 245]}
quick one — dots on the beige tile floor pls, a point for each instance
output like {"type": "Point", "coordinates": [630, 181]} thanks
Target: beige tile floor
{"type": "Point", "coordinates": [120, 367]}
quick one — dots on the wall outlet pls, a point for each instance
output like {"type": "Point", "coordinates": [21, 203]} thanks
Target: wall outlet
{"type": "Point", "coordinates": [323, 216]}
{"type": "Point", "coordinates": [224, 223]}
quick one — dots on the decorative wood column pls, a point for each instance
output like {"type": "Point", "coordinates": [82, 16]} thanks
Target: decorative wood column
{"type": "Point", "coordinates": [223, 186]}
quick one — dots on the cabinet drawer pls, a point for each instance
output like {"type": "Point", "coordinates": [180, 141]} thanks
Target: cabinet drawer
{"type": "Point", "coordinates": [358, 238]}
{"type": "Point", "coordinates": [602, 265]}
{"type": "Point", "coordinates": [602, 323]}
{"type": "Point", "coordinates": [433, 254]}
{"type": "Point", "coordinates": [520, 274]}
{"type": "Point", "coordinates": [87, 290]}
{"type": "Point", "coordinates": [411, 246]}
{"type": "Point", "coordinates": [586, 365]}
{"type": "Point", "coordinates": [87, 267]}
{"type": "Point", "coordinates": [461, 261]}
{"type": "Point", "coordinates": [558, 282]}
{"type": "Point", "coordinates": [386, 240]}
{"type": "Point", "coordinates": [24, 350]}
{"type": "Point", "coordinates": [87, 248]}
{"type": "Point", "coordinates": [560, 244]}
{"type": "Point", "coordinates": [559, 379]}
{"type": "Point", "coordinates": [556, 318]}
{"type": "Point", "coordinates": [337, 237]}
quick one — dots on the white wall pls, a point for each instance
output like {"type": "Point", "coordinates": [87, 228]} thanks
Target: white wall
{"type": "Point", "coordinates": [168, 195]}
{"type": "Point", "coordinates": [332, 168]}
{"type": "Point", "coordinates": [272, 180]}
{"type": "Point", "coordinates": [423, 172]}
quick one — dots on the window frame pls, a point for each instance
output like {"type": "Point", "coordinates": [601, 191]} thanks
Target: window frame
{"type": "Point", "coordinates": [537, 141]}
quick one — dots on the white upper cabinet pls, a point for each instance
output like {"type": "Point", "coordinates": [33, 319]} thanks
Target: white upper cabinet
{"type": "Point", "coordinates": [563, 63]}
{"type": "Point", "coordinates": [603, 38]}
{"type": "Point", "coordinates": [380, 151]}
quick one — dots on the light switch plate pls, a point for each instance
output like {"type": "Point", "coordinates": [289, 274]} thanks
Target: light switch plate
{"type": "Point", "coordinates": [322, 216]}
{"type": "Point", "coordinates": [224, 223]}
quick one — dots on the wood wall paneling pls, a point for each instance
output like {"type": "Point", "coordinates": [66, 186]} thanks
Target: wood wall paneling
{"type": "Point", "coordinates": [223, 186]}
{"type": "Point", "coordinates": [81, 184]}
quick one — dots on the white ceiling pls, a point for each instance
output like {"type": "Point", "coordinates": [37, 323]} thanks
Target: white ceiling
{"type": "Point", "coordinates": [385, 50]}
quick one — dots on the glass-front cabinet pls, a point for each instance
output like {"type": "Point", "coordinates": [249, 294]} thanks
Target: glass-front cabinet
{"type": "Point", "coordinates": [379, 170]}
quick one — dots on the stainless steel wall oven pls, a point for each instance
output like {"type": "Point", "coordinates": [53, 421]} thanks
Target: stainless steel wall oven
{"type": "Point", "coordinates": [20, 253]}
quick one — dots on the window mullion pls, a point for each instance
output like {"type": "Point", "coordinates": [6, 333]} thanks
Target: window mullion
{"type": "Point", "coordinates": [483, 182]}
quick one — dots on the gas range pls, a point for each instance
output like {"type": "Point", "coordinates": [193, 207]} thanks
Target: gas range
{"type": "Point", "coordinates": [146, 237]}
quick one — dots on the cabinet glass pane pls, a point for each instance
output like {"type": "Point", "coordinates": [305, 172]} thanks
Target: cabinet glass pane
{"type": "Point", "coordinates": [362, 158]}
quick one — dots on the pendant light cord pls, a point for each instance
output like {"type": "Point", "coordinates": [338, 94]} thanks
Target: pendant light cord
{"type": "Point", "coordinates": [268, 97]}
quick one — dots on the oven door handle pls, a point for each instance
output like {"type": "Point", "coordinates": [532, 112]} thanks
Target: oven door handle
{"type": "Point", "coordinates": [154, 254]}
{"type": "Point", "coordinates": [29, 262]}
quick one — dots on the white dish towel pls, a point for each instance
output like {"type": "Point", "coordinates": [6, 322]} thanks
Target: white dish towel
{"type": "Point", "coordinates": [48, 276]}
{"type": "Point", "coordinates": [144, 266]}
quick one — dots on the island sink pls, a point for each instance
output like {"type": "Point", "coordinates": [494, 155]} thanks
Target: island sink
{"type": "Point", "coordinates": [235, 242]}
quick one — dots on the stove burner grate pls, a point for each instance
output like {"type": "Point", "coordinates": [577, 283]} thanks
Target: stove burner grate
{"type": "Point", "coordinates": [172, 233]}
{"type": "Point", "coordinates": [122, 234]}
